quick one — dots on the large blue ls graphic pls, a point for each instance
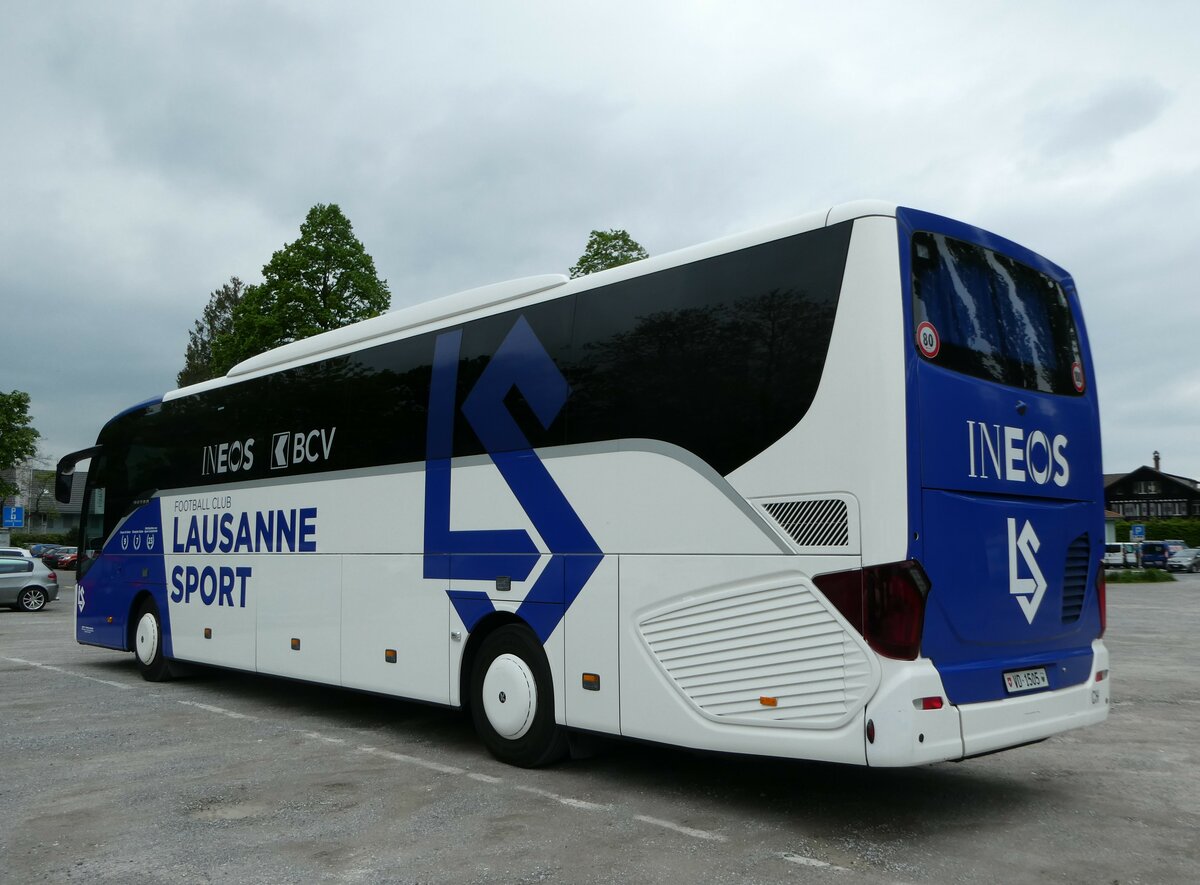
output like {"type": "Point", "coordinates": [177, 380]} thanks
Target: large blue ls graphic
{"type": "Point", "coordinates": [520, 362]}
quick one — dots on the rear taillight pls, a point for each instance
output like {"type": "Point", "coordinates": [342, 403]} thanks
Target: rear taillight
{"type": "Point", "coordinates": [885, 603]}
{"type": "Point", "coordinates": [1102, 598]}
{"type": "Point", "coordinates": [54, 577]}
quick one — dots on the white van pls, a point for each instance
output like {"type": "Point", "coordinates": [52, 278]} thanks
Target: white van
{"type": "Point", "coordinates": [1120, 555]}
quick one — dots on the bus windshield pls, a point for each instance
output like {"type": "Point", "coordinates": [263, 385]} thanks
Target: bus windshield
{"type": "Point", "coordinates": [993, 317]}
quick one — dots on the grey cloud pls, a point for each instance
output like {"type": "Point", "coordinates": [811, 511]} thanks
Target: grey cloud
{"type": "Point", "coordinates": [159, 148]}
{"type": "Point", "coordinates": [1088, 125]}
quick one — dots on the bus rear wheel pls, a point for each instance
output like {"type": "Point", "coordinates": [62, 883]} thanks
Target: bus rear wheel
{"type": "Point", "coordinates": [512, 699]}
{"type": "Point", "coordinates": [148, 646]}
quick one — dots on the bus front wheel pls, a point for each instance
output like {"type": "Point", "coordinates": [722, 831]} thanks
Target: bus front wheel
{"type": "Point", "coordinates": [512, 699]}
{"type": "Point", "coordinates": [148, 646]}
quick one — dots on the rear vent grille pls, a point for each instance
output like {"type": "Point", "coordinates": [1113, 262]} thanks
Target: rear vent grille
{"type": "Point", "coordinates": [813, 523]}
{"type": "Point", "coordinates": [1075, 579]}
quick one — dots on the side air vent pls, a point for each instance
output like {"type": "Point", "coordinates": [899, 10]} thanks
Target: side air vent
{"type": "Point", "coordinates": [814, 522]}
{"type": "Point", "coordinates": [727, 652]}
{"type": "Point", "coordinates": [1075, 579]}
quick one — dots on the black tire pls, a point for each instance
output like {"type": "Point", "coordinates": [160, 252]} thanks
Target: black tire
{"type": "Point", "coordinates": [32, 599]}
{"type": "Point", "coordinates": [148, 645]}
{"type": "Point", "coordinates": [516, 718]}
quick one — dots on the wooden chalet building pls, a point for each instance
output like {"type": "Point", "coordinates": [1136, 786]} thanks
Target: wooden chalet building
{"type": "Point", "coordinates": [1149, 493]}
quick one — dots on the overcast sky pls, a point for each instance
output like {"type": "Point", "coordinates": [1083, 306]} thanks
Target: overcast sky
{"type": "Point", "coordinates": [151, 150]}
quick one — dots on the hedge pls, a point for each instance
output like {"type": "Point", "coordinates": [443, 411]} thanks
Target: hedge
{"type": "Point", "coordinates": [1163, 529]}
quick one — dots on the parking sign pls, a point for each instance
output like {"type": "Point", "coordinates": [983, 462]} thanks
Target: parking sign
{"type": "Point", "coordinates": [1137, 532]}
{"type": "Point", "coordinates": [14, 517]}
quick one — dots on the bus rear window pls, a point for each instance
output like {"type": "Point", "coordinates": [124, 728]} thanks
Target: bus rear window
{"type": "Point", "coordinates": [986, 315]}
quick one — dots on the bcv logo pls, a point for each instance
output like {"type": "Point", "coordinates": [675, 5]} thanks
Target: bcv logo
{"type": "Point", "coordinates": [1017, 456]}
{"type": "Point", "coordinates": [290, 449]}
{"type": "Point", "coordinates": [1028, 590]}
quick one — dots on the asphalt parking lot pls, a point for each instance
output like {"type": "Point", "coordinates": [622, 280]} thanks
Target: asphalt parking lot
{"type": "Point", "coordinates": [233, 778]}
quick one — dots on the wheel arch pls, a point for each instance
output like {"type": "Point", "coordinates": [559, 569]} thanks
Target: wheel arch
{"type": "Point", "coordinates": [135, 605]}
{"type": "Point", "coordinates": [485, 628]}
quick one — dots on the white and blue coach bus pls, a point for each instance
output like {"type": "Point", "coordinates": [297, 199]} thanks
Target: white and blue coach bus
{"type": "Point", "coordinates": [830, 490]}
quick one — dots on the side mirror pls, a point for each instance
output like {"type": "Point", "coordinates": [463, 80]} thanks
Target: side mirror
{"type": "Point", "coordinates": [64, 476]}
{"type": "Point", "coordinates": [62, 486]}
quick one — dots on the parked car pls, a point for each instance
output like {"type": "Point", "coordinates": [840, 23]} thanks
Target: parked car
{"type": "Point", "coordinates": [1175, 544]}
{"type": "Point", "coordinates": [1120, 555]}
{"type": "Point", "coordinates": [16, 551]}
{"type": "Point", "coordinates": [1115, 557]}
{"type": "Point", "coordinates": [1185, 560]}
{"type": "Point", "coordinates": [64, 558]}
{"type": "Point", "coordinates": [40, 550]}
{"type": "Point", "coordinates": [26, 584]}
{"type": "Point", "coordinates": [1155, 554]}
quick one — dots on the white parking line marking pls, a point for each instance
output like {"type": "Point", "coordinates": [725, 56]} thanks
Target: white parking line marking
{"type": "Point", "coordinates": [320, 737]}
{"type": "Point", "coordinates": [119, 685]}
{"type": "Point", "coordinates": [486, 778]}
{"type": "Point", "coordinates": [221, 710]}
{"type": "Point", "coordinates": [565, 800]}
{"type": "Point", "coordinates": [810, 862]}
{"type": "Point", "coordinates": [413, 760]}
{"type": "Point", "coordinates": [679, 828]}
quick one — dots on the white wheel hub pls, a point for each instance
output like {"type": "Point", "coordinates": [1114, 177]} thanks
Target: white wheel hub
{"type": "Point", "coordinates": [146, 639]}
{"type": "Point", "coordinates": [509, 696]}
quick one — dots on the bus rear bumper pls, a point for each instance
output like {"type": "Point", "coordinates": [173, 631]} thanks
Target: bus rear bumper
{"type": "Point", "coordinates": [996, 725]}
{"type": "Point", "coordinates": [902, 731]}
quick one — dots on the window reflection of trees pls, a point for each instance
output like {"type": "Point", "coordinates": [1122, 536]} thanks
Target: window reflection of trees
{"type": "Point", "coordinates": [724, 380]}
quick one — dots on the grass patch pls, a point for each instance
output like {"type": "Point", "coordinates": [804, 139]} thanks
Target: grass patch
{"type": "Point", "coordinates": [1137, 576]}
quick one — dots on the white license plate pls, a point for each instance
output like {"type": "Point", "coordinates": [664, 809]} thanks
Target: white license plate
{"type": "Point", "coordinates": [1026, 680]}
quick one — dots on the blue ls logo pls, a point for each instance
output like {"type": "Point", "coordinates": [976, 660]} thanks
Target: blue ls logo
{"type": "Point", "coordinates": [520, 362]}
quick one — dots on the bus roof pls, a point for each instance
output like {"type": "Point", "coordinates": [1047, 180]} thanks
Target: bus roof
{"type": "Point", "coordinates": [459, 306]}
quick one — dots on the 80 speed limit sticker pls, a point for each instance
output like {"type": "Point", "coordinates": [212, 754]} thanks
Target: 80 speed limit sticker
{"type": "Point", "coordinates": [928, 340]}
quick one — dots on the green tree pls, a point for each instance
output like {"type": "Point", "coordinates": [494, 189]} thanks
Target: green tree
{"type": "Point", "coordinates": [322, 281]}
{"type": "Point", "coordinates": [605, 249]}
{"type": "Point", "coordinates": [215, 323]}
{"type": "Point", "coordinates": [18, 439]}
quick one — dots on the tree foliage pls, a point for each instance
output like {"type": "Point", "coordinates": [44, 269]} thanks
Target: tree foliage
{"type": "Point", "coordinates": [322, 281]}
{"type": "Point", "coordinates": [18, 438]}
{"type": "Point", "coordinates": [605, 249]}
{"type": "Point", "coordinates": [214, 324]}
